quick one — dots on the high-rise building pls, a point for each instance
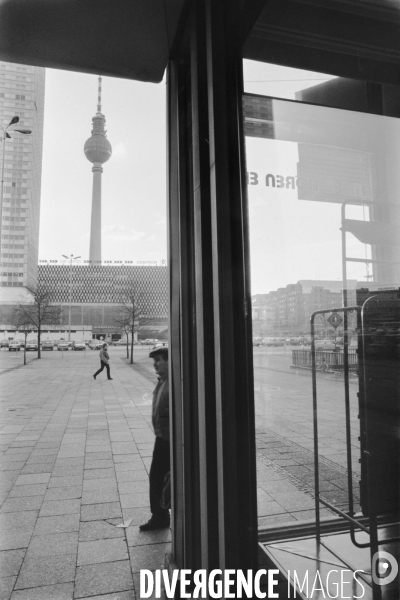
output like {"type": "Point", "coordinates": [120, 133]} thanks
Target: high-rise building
{"type": "Point", "coordinates": [98, 150]}
{"type": "Point", "coordinates": [21, 95]}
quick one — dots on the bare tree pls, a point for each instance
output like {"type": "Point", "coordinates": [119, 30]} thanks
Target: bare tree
{"type": "Point", "coordinates": [23, 324]}
{"type": "Point", "coordinates": [39, 311]}
{"type": "Point", "coordinates": [123, 320]}
{"type": "Point", "coordinates": [131, 315]}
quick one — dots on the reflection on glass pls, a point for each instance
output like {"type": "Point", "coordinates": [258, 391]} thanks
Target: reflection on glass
{"type": "Point", "coordinates": [324, 203]}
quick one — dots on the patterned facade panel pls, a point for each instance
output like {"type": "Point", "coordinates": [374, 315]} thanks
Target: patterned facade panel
{"type": "Point", "coordinates": [22, 90]}
{"type": "Point", "coordinates": [107, 284]}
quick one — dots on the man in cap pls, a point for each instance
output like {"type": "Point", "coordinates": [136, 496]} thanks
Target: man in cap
{"type": "Point", "coordinates": [160, 465]}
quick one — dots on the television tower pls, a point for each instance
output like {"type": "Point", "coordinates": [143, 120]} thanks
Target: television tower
{"type": "Point", "coordinates": [98, 150]}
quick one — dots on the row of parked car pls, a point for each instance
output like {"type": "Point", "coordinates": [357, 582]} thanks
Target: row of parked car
{"type": "Point", "coordinates": [16, 345]}
{"type": "Point", "coordinates": [320, 345]}
{"type": "Point", "coordinates": [63, 345]}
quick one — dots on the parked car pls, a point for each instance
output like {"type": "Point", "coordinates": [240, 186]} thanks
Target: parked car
{"type": "Point", "coordinates": [95, 344]}
{"type": "Point", "coordinates": [321, 345]}
{"type": "Point", "coordinates": [48, 345]}
{"type": "Point", "coordinates": [272, 342]}
{"type": "Point", "coordinates": [4, 344]}
{"type": "Point", "coordinates": [78, 345]}
{"type": "Point", "coordinates": [14, 346]}
{"type": "Point", "coordinates": [31, 346]}
{"type": "Point", "coordinates": [62, 345]}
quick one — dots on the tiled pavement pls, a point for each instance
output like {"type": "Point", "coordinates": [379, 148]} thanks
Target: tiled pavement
{"type": "Point", "coordinates": [74, 461]}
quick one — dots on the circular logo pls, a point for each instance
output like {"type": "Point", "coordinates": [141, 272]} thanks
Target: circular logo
{"type": "Point", "coordinates": [384, 568]}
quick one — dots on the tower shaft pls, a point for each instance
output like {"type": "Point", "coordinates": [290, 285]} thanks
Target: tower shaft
{"type": "Point", "coordinates": [98, 150]}
{"type": "Point", "coordinates": [95, 225]}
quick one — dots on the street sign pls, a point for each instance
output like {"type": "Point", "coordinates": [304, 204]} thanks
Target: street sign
{"type": "Point", "coordinates": [335, 320]}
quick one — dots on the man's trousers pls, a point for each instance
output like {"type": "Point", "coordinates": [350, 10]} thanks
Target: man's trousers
{"type": "Point", "coordinates": [160, 466]}
{"type": "Point", "coordinates": [107, 366]}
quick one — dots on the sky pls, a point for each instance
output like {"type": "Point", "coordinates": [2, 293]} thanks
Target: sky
{"type": "Point", "coordinates": [133, 180]}
{"type": "Point", "coordinates": [289, 239]}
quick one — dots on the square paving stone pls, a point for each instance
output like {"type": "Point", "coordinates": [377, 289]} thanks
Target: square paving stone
{"type": "Point", "coordinates": [67, 470]}
{"type": "Point", "coordinates": [99, 456]}
{"type": "Point", "coordinates": [6, 586]}
{"type": "Point", "coordinates": [147, 557]}
{"type": "Point", "coordinates": [134, 487]}
{"type": "Point", "coordinates": [63, 493]}
{"type": "Point", "coordinates": [98, 464]}
{"type": "Point", "coordinates": [103, 485]}
{"type": "Point", "coordinates": [10, 562]}
{"type": "Point", "coordinates": [104, 578]}
{"type": "Point", "coordinates": [102, 551]}
{"type": "Point", "coordinates": [24, 503]}
{"type": "Point", "coordinates": [126, 458]}
{"type": "Point", "coordinates": [33, 478]}
{"type": "Point", "coordinates": [46, 571]}
{"type": "Point", "coordinates": [127, 476]}
{"type": "Point", "coordinates": [48, 460]}
{"type": "Point", "coordinates": [18, 521]}
{"type": "Point", "coordinates": [53, 545]}
{"type": "Point", "coordinates": [35, 468]}
{"type": "Point", "coordinates": [136, 465]}
{"type": "Point", "coordinates": [94, 512]}
{"type": "Point", "coordinates": [12, 540]}
{"type": "Point", "coordinates": [65, 481]}
{"type": "Point", "coordinates": [275, 520]}
{"type": "Point", "coordinates": [135, 537]}
{"type": "Point", "coordinates": [269, 508]}
{"type": "Point", "coordinates": [99, 473]}
{"type": "Point", "coordinates": [38, 489]}
{"type": "Point", "coordinates": [134, 500]}
{"type": "Point", "coordinates": [99, 530]}
{"type": "Point", "coordinates": [10, 465]}
{"type": "Point", "coordinates": [59, 524]}
{"type": "Point", "coordinates": [138, 515]}
{"type": "Point", "coordinates": [60, 507]}
{"type": "Point", "coordinates": [61, 591]}
{"type": "Point", "coordinates": [97, 497]}
{"type": "Point", "coordinates": [294, 500]}
{"type": "Point", "coordinates": [69, 461]}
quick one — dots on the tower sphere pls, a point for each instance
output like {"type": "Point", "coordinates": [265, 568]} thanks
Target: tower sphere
{"type": "Point", "coordinates": [97, 148]}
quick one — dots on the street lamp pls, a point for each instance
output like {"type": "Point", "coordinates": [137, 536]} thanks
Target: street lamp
{"type": "Point", "coordinates": [70, 258]}
{"type": "Point", "coordinates": [6, 135]}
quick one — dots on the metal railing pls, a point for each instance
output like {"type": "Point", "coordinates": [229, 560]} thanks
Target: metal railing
{"type": "Point", "coordinates": [332, 361]}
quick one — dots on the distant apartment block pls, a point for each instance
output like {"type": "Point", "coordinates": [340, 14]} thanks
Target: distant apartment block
{"type": "Point", "coordinates": [289, 309]}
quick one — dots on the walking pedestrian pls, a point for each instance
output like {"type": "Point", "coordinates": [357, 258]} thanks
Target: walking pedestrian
{"type": "Point", "coordinates": [104, 362]}
{"type": "Point", "coordinates": [160, 465]}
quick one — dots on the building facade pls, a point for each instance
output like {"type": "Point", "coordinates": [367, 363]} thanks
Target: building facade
{"type": "Point", "coordinates": [109, 284]}
{"type": "Point", "coordinates": [288, 310]}
{"type": "Point", "coordinates": [22, 90]}
{"type": "Point", "coordinates": [90, 298]}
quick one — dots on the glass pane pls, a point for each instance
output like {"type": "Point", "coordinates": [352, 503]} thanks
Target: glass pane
{"type": "Point", "coordinates": [324, 207]}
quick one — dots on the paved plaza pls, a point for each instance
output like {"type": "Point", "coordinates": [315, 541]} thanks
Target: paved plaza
{"type": "Point", "coordinates": [75, 457]}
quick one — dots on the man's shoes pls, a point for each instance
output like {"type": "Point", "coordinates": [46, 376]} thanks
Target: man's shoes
{"type": "Point", "coordinates": [155, 524]}
{"type": "Point", "coordinates": [94, 377]}
{"type": "Point", "coordinates": [110, 379]}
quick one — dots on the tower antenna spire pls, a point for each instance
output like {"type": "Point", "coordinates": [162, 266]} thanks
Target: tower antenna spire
{"type": "Point", "coordinates": [99, 97]}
